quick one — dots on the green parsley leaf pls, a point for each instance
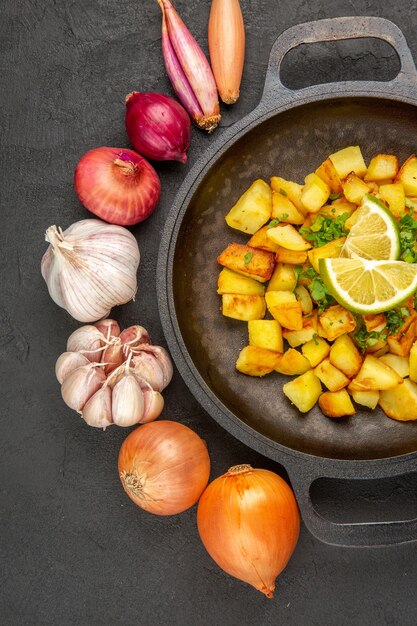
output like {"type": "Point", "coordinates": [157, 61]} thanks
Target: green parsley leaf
{"type": "Point", "coordinates": [409, 204]}
{"type": "Point", "coordinates": [395, 319]}
{"type": "Point", "coordinates": [277, 221]}
{"type": "Point", "coordinates": [297, 272]}
{"type": "Point", "coordinates": [334, 196]}
{"type": "Point", "coordinates": [408, 237]}
{"type": "Point", "coordinates": [318, 290]}
{"type": "Point", "coordinates": [365, 339]}
{"type": "Point", "coordinates": [325, 229]}
{"type": "Point", "coordinates": [247, 258]}
{"type": "Point", "coordinates": [283, 192]}
{"type": "Point", "coordinates": [316, 343]}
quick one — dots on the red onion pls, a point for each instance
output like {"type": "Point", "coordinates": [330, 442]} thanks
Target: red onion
{"type": "Point", "coordinates": [117, 185]}
{"type": "Point", "coordinates": [158, 126]}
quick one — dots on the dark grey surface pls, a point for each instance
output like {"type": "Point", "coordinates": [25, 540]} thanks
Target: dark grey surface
{"type": "Point", "coordinates": [74, 549]}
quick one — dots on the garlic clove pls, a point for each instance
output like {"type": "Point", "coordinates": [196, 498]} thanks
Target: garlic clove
{"type": "Point", "coordinates": [145, 366]}
{"type": "Point", "coordinates": [81, 384]}
{"type": "Point", "coordinates": [88, 340]}
{"type": "Point", "coordinates": [127, 402]}
{"type": "Point", "coordinates": [109, 328]}
{"type": "Point", "coordinates": [112, 355]}
{"type": "Point", "coordinates": [164, 361]}
{"type": "Point", "coordinates": [97, 410]}
{"type": "Point", "coordinates": [154, 404]}
{"type": "Point", "coordinates": [133, 336]}
{"type": "Point", "coordinates": [67, 362]}
{"type": "Point", "coordinates": [90, 267]}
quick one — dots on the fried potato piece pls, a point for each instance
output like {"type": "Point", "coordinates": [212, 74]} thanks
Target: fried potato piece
{"type": "Point", "coordinates": [292, 363]}
{"type": "Point", "coordinates": [374, 375]}
{"type": "Point", "coordinates": [336, 321]}
{"type": "Point", "coordinates": [243, 307]}
{"type": "Point", "coordinates": [285, 210]}
{"type": "Point", "coordinates": [303, 391]}
{"type": "Point", "coordinates": [327, 172]}
{"type": "Point", "coordinates": [315, 350]}
{"type": "Point", "coordinates": [369, 398]}
{"type": "Point", "coordinates": [408, 175]}
{"type": "Point", "coordinates": [255, 361]}
{"type": "Point", "coordinates": [401, 342]}
{"type": "Point", "coordinates": [336, 404]}
{"type": "Point", "coordinates": [266, 334]}
{"type": "Point", "coordinates": [354, 188]}
{"type": "Point", "coordinates": [231, 282]}
{"type": "Point", "coordinates": [257, 264]}
{"type": "Point", "coordinates": [400, 402]}
{"type": "Point", "coordinates": [291, 189]}
{"type": "Point", "coordinates": [315, 193]}
{"type": "Point", "coordinates": [382, 167]}
{"type": "Point", "coordinates": [283, 278]}
{"type": "Point", "coordinates": [330, 376]}
{"type": "Point", "coordinates": [253, 209]}
{"type": "Point", "coordinates": [348, 160]}
{"type": "Point", "coordinates": [345, 356]}
{"type": "Point", "coordinates": [261, 241]}
{"type": "Point", "coordinates": [285, 308]}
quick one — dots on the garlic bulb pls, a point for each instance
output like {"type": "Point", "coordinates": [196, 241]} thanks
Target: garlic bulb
{"type": "Point", "coordinates": [112, 376]}
{"type": "Point", "coordinates": [90, 267]}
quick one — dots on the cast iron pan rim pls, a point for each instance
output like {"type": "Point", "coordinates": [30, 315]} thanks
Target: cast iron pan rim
{"type": "Point", "coordinates": [198, 387]}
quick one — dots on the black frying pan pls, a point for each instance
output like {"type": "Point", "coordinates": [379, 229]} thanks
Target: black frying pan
{"type": "Point", "coordinates": [288, 134]}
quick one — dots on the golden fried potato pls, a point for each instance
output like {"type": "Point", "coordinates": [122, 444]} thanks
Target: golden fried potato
{"type": "Point", "coordinates": [255, 361]}
{"type": "Point", "coordinates": [257, 264]}
{"type": "Point", "coordinates": [336, 404]}
{"type": "Point", "coordinates": [330, 376]}
{"type": "Point", "coordinates": [266, 334]}
{"type": "Point", "coordinates": [303, 391]}
{"type": "Point", "coordinates": [345, 356]}
{"type": "Point", "coordinates": [253, 209]}
{"type": "Point", "coordinates": [244, 308]}
{"type": "Point", "coordinates": [231, 282]}
{"type": "Point", "coordinates": [292, 363]}
{"type": "Point", "coordinates": [374, 375]}
{"type": "Point", "coordinates": [348, 160]}
{"type": "Point", "coordinates": [400, 402]}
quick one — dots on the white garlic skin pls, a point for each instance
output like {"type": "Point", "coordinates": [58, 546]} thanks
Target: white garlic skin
{"type": "Point", "coordinates": [154, 404]}
{"type": "Point", "coordinates": [132, 337]}
{"type": "Point", "coordinates": [68, 362]}
{"type": "Point", "coordinates": [127, 402]}
{"type": "Point", "coordinates": [145, 366]}
{"type": "Point", "coordinates": [109, 328]}
{"type": "Point", "coordinates": [81, 384]}
{"type": "Point", "coordinates": [97, 411]}
{"type": "Point", "coordinates": [88, 340]}
{"type": "Point", "coordinates": [90, 267]}
{"type": "Point", "coordinates": [164, 361]}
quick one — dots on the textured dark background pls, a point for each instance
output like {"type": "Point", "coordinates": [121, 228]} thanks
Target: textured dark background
{"type": "Point", "coordinates": [74, 549]}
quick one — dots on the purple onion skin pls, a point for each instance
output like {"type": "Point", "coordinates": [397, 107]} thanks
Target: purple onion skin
{"type": "Point", "coordinates": [158, 126]}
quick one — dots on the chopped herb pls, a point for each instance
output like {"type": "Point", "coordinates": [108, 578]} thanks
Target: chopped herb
{"type": "Point", "coordinates": [277, 220]}
{"type": "Point", "coordinates": [395, 319]}
{"type": "Point", "coordinates": [409, 204]}
{"type": "Point", "coordinates": [318, 290]}
{"type": "Point", "coordinates": [282, 192]}
{"type": "Point", "coordinates": [366, 339]}
{"type": "Point", "coordinates": [297, 272]}
{"type": "Point", "coordinates": [408, 236]}
{"type": "Point", "coordinates": [333, 211]}
{"type": "Point", "coordinates": [315, 339]}
{"type": "Point", "coordinates": [334, 196]}
{"type": "Point", "coordinates": [325, 229]}
{"type": "Point", "coordinates": [340, 321]}
{"type": "Point", "coordinates": [248, 257]}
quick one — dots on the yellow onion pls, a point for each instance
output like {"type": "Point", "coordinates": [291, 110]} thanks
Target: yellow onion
{"type": "Point", "coordinates": [249, 523]}
{"type": "Point", "coordinates": [164, 467]}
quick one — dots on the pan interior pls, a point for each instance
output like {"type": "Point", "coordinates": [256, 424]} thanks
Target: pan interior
{"type": "Point", "coordinates": [290, 144]}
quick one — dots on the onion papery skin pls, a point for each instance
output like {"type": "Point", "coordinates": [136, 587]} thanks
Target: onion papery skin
{"type": "Point", "coordinates": [158, 127]}
{"type": "Point", "coordinates": [249, 523]}
{"type": "Point", "coordinates": [117, 184]}
{"type": "Point", "coordinates": [164, 467]}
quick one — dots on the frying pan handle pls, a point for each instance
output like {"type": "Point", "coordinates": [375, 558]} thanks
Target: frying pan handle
{"type": "Point", "coordinates": [362, 534]}
{"type": "Point", "coordinates": [336, 29]}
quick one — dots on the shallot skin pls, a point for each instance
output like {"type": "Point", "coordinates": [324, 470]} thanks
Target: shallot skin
{"type": "Point", "coordinates": [248, 521]}
{"type": "Point", "coordinates": [164, 467]}
{"type": "Point", "coordinates": [117, 184]}
{"type": "Point", "coordinates": [158, 127]}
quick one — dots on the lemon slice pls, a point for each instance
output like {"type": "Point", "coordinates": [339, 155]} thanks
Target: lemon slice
{"type": "Point", "coordinates": [368, 286]}
{"type": "Point", "coordinates": [373, 234]}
